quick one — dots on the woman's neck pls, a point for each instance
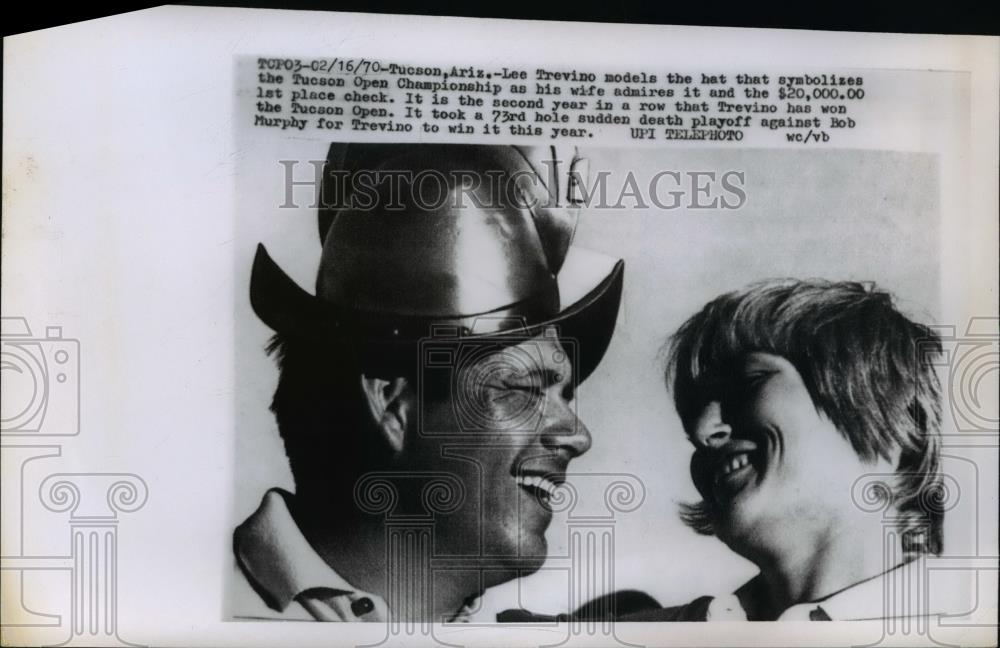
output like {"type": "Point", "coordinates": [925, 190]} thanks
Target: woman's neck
{"type": "Point", "coordinates": [801, 569]}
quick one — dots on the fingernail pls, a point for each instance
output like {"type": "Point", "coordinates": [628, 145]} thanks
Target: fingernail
{"type": "Point", "coordinates": [362, 606]}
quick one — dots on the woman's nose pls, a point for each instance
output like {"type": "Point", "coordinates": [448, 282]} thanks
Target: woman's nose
{"type": "Point", "coordinates": [710, 431]}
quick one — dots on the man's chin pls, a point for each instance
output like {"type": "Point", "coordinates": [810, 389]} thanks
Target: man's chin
{"type": "Point", "coordinates": [514, 558]}
{"type": "Point", "coordinates": [502, 570]}
{"type": "Point", "coordinates": [533, 546]}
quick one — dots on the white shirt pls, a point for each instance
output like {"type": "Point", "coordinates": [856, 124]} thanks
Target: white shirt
{"type": "Point", "coordinates": [904, 591]}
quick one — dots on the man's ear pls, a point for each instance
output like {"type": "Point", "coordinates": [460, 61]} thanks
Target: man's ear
{"type": "Point", "coordinates": [390, 405]}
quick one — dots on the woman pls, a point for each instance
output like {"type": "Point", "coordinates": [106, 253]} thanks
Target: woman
{"type": "Point", "coordinates": [806, 400]}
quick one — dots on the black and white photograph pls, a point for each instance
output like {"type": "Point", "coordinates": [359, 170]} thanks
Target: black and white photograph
{"type": "Point", "coordinates": [476, 332]}
{"type": "Point", "coordinates": [505, 340]}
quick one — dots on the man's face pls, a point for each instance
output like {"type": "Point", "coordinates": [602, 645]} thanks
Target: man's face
{"type": "Point", "coordinates": [768, 461]}
{"type": "Point", "coordinates": [507, 429]}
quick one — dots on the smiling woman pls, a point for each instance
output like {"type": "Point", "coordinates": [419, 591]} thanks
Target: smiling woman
{"type": "Point", "coordinates": [792, 392]}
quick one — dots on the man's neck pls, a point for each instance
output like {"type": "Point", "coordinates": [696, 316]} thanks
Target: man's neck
{"type": "Point", "coordinates": [802, 568]}
{"type": "Point", "coordinates": [358, 548]}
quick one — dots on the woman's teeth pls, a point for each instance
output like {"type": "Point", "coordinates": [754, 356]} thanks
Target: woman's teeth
{"type": "Point", "coordinates": [734, 463]}
{"type": "Point", "coordinates": [544, 486]}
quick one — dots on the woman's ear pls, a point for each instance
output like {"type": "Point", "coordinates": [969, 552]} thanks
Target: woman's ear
{"type": "Point", "coordinates": [390, 406]}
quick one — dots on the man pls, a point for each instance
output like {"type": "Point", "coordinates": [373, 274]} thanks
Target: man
{"type": "Point", "coordinates": [428, 384]}
{"type": "Point", "coordinates": [814, 410]}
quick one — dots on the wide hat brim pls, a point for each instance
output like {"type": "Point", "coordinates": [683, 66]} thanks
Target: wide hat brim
{"type": "Point", "coordinates": [589, 282]}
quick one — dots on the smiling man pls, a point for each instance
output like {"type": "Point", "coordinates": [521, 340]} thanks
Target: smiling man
{"type": "Point", "coordinates": [426, 390]}
{"type": "Point", "coordinates": [797, 396]}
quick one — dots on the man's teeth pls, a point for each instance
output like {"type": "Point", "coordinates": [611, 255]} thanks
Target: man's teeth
{"type": "Point", "coordinates": [541, 483]}
{"type": "Point", "coordinates": [735, 463]}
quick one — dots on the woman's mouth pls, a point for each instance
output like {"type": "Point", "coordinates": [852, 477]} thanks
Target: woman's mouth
{"type": "Point", "coordinates": [730, 465]}
{"type": "Point", "coordinates": [732, 474]}
{"type": "Point", "coordinates": [721, 473]}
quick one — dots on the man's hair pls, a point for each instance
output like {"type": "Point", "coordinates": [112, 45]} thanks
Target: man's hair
{"type": "Point", "coordinates": [867, 367]}
{"type": "Point", "coordinates": [322, 417]}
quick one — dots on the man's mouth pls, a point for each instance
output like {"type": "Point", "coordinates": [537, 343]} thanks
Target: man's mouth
{"type": "Point", "coordinates": [540, 487]}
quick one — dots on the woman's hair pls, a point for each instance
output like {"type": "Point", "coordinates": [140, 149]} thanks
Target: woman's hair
{"type": "Point", "coordinates": [867, 367]}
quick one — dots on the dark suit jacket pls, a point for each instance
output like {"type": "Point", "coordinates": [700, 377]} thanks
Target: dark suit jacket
{"type": "Point", "coordinates": [696, 610]}
{"type": "Point", "coordinates": [610, 606]}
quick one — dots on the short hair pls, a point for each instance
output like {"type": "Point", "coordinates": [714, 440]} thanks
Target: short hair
{"type": "Point", "coordinates": [867, 367]}
{"type": "Point", "coordinates": [321, 416]}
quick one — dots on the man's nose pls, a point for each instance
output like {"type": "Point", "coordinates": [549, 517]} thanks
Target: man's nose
{"type": "Point", "coordinates": [710, 430]}
{"type": "Point", "coordinates": [562, 429]}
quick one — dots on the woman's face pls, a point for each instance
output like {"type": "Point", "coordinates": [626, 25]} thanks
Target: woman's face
{"type": "Point", "coordinates": [769, 463]}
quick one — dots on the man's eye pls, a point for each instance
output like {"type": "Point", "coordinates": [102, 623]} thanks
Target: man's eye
{"type": "Point", "coordinates": [520, 386]}
{"type": "Point", "coordinates": [504, 390]}
{"type": "Point", "coordinates": [523, 391]}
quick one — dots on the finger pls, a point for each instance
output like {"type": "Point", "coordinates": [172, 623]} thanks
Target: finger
{"type": "Point", "coordinates": [342, 604]}
{"type": "Point", "coordinates": [320, 610]}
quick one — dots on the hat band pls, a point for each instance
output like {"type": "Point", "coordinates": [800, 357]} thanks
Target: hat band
{"type": "Point", "coordinates": [513, 319]}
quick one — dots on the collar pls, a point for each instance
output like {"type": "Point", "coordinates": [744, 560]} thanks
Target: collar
{"type": "Point", "coordinates": [911, 589]}
{"type": "Point", "coordinates": [277, 558]}
{"type": "Point", "coordinates": [281, 564]}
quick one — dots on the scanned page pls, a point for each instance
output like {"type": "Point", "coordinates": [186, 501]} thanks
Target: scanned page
{"type": "Point", "coordinates": [481, 332]}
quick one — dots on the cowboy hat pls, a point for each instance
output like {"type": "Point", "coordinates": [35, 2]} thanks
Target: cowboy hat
{"type": "Point", "coordinates": [474, 241]}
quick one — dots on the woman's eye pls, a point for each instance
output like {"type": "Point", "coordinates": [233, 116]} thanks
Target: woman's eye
{"type": "Point", "coordinates": [753, 381]}
{"type": "Point", "coordinates": [742, 387]}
